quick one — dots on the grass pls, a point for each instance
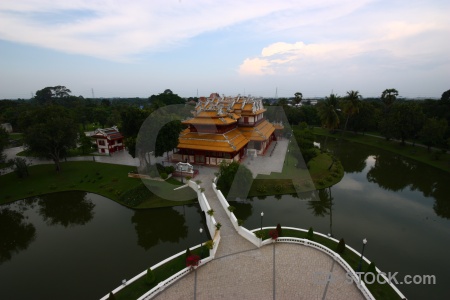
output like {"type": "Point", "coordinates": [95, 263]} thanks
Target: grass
{"type": "Point", "coordinates": [16, 136]}
{"type": "Point", "coordinates": [293, 180]}
{"type": "Point", "coordinates": [108, 180]}
{"type": "Point", "coordinates": [417, 153]}
{"type": "Point", "coordinates": [379, 291]}
{"type": "Point", "coordinates": [70, 153]}
{"type": "Point", "coordinates": [140, 286]}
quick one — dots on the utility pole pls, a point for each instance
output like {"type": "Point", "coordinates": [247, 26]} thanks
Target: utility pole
{"type": "Point", "coordinates": [93, 95]}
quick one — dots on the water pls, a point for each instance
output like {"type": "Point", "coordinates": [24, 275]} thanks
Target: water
{"type": "Point", "coordinates": [402, 207]}
{"type": "Point", "coordinates": [77, 245]}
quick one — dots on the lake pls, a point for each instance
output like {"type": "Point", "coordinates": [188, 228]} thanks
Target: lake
{"type": "Point", "coordinates": [78, 245]}
{"type": "Point", "coordinates": [401, 206]}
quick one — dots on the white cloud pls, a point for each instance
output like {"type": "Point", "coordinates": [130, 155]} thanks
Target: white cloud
{"type": "Point", "coordinates": [117, 29]}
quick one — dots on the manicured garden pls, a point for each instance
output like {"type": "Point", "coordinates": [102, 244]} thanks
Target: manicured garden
{"type": "Point", "coordinates": [108, 180]}
{"type": "Point", "coordinates": [379, 291]}
{"type": "Point", "coordinates": [142, 285]}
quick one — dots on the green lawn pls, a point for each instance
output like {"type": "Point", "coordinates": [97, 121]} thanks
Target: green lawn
{"type": "Point", "coordinates": [16, 136]}
{"type": "Point", "coordinates": [414, 152]}
{"type": "Point", "coordinates": [379, 291]}
{"type": "Point", "coordinates": [293, 180]}
{"type": "Point", "coordinates": [104, 179]}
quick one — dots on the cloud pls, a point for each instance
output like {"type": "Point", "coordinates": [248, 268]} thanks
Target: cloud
{"type": "Point", "coordinates": [117, 29]}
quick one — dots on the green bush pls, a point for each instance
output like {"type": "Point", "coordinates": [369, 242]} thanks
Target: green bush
{"type": "Point", "coordinates": [261, 188]}
{"type": "Point", "coordinates": [278, 188]}
{"type": "Point", "coordinates": [150, 277]}
{"type": "Point", "coordinates": [164, 175]}
{"type": "Point", "coordinates": [340, 248]}
{"type": "Point", "coordinates": [240, 222]}
{"type": "Point", "coordinates": [279, 230]}
{"type": "Point", "coordinates": [209, 244]}
{"type": "Point", "coordinates": [310, 234]}
{"type": "Point", "coordinates": [111, 296]}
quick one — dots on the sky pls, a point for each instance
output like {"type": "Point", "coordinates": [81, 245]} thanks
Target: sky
{"type": "Point", "coordinates": [136, 48]}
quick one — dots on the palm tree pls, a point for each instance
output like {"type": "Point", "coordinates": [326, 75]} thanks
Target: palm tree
{"type": "Point", "coordinates": [323, 206]}
{"type": "Point", "coordinates": [352, 104]}
{"type": "Point", "coordinates": [388, 97]}
{"type": "Point", "coordinates": [327, 111]}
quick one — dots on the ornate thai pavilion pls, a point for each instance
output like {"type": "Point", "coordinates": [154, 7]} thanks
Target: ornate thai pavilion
{"type": "Point", "coordinates": [225, 128]}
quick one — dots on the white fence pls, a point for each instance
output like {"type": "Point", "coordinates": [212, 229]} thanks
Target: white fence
{"type": "Point", "coordinates": [335, 255]}
{"type": "Point", "coordinates": [215, 234]}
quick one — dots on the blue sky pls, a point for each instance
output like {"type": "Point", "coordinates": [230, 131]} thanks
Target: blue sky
{"type": "Point", "coordinates": [138, 48]}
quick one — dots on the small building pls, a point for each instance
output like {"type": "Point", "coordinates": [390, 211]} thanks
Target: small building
{"type": "Point", "coordinates": [108, 140]}
{"type": "Point", "coordinates": [7, 126]}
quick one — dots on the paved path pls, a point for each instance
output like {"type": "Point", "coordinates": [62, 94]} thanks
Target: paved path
{"type": "Point", "coordinates": [272, 161]}
{"type": "Point", "coordinates": [243, 271]}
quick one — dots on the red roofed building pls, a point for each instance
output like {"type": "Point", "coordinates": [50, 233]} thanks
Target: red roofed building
{"type": "Point", "coordinates": [108, 140]}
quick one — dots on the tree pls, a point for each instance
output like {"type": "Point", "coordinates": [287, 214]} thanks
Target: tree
{"type": "Point", "coordinates": [48, 94]}
{"type": "Point", "coordinates": [298, 98]}
{"type": "Point", "coordinates": [433, 132]}
{"type": "Point", "coordinates": [168, 137]}
{"type": "Point", "coordinates": [20, 166]}
{"type": "Point", "coordinates": [52, 133]}
{"type": "Point", "coordinates": [340, 248]}
{"type": "Point", "coordinates": [446, 96]}
{"type": "Point", "coordinates": [351, 105]}
{"type": "Point", "coordinates": [85, 142]}
{"type": "Point", "coordinates": [404, 121]}
{"type": "Point", "coordinates": [327, 112]}
{"type": "Point", "coordinates": [233, 172]}
{"type": "Point", "coordinates": [4, 140]}
{"type": "Point", "coordinates": [150, 276]}
{"type": "Point", "coordinates": [388, 97]}
{"type": "Point", "coordinates": [165, 98]}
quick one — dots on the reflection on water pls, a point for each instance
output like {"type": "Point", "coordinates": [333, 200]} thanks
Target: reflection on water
{"type": "Point", "coordinates": [159, 225]}
{"type": "Point", "coordinates": [66, 208]}
{"type": "Point", "coordinates": [16, 233]}
{"type": "Point", "coordinates": [402, 207]}
{"type": "Point", "coordinates": [85, 244]}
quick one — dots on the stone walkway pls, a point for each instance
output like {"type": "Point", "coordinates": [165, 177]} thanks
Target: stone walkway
{"type": "Point", "coordinates": [272, 161]}
{"type": "Point", "coordinates": [243, 271]}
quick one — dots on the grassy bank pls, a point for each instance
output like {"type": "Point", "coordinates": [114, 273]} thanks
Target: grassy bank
{"type": "Point", "coordinates": [421, 154]}
{"type": "Point", "coordinates": [141, 286]}
{"type": "Point", "coordinates": [379, 291]}
{"type": "Point", "coordinates": [108, 180]}
{"type": "Point", "coordinates": [293, 180]}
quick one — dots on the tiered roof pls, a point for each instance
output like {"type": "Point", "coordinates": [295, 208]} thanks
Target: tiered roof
{"type": "Point", "coordinates": [219, 111]}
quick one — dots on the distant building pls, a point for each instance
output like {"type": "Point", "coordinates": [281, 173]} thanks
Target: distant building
{"type": "Point", "coordinates": [108, 140]}
{"type": "Point", "coordinates": [8, 128]}
{"type": "Point", "coordinates": [225, 129]}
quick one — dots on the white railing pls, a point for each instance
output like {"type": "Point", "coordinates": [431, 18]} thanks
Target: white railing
{"type": "Point", "coordinates": [215, 234]}
{"type": "Point", "coordinates": [331, 253]}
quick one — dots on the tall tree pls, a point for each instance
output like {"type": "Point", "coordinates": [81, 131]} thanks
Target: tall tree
{"type": "Point", "coordinates": [327, 111]}
{"type": "Point", "coordinates": [446, 96]}
{"type": "Point", "coordinates": [352, 104]}
{"type": "Point", "coordinates": [388, 97]}
{"type": "Point", "coordinates": [53, 132]}
{"type": "Point", "coordinates": [48, 94]}
{"type": "Point", "coordinates": [404, 121]}
{"type": "Point", "coordinates": [433, 132]}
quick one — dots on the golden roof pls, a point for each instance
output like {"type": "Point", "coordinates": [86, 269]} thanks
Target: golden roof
{"type": "Point", "coordinates": [261, 132]}
{"type": "Point", "coordinates": [210, 121]}
{"type": "Point", "coordinates": [231, 141]}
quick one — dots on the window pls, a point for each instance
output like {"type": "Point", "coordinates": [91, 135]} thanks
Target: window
{"type": "Point", "coordinates": [226, 155]}
{"type": "Point", "coordinates": [101, 143]}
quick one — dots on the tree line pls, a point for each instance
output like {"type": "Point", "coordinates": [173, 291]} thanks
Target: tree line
{"type": "Point", "coordinates": [424, 121]}
{"type": "Point", "coordinates": [54, 121]}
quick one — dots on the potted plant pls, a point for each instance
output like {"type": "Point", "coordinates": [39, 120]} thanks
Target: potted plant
{"type": "Point", "coordinates": [218, 225]}
{"type": "Point", "coordinates": [192, 261]}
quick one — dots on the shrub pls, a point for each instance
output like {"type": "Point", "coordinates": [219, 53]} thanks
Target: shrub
{"type": "Point", "coordinates": [240, 222]}
{"type": "Point", "coordinates": [231, 208]}
{"type": "Point", "coordinates": [261, 188]}
{"type": "Point", "coordinates": [170, 169]}
{"type": "Point", "coordinates": [278, 188]}
{"type": "Point", "coordinates": [273, 234]}
{"type": "Point", "coordinates": [340, 248]}
{"type": "Point", "coordinates": [164, 175]}
{"type": "Point", "coordinates": [150, 277]}
{"type": "Point", "coordinates": [310, 234]}
{"type": "Point", "coordinates": [198, 182]}
{"type": "Point", "coordinates": [279, 230]}
{"type": "Point", "coordinates": [209, 244]}
{"type": "Point", "coordinates": [218, 225]}
{"type": "Point", "coordinates": [260, 234]}
{"type": "Point", "coordinates": [188, 253]}
{"type": "Point", "coordinates": [192, 260]}
{"type": "Point", "coordinates": [111, 296]}
{"type": "Point", "coordinates": [329, 179]}
{"type": "Point", "coordinates": [210, 212]}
